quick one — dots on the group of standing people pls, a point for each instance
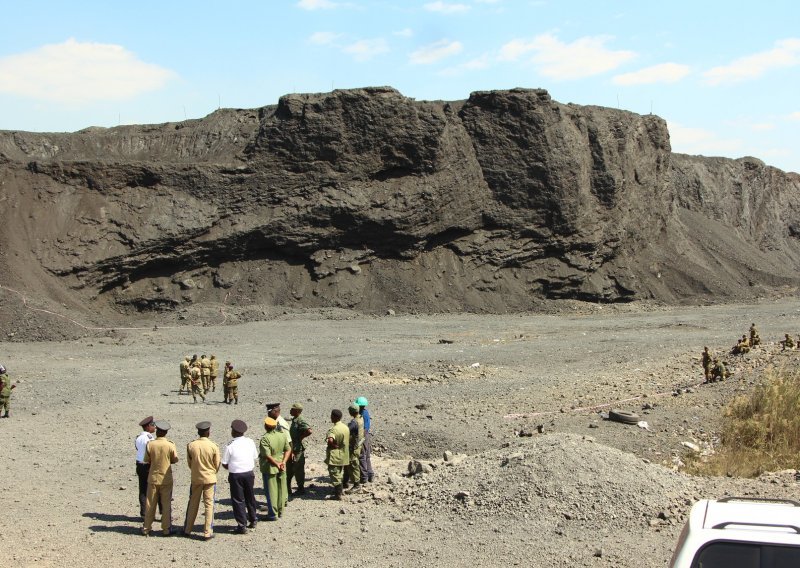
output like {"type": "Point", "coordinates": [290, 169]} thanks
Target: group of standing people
{"type": "Point", "coordinates": [199, 377]}
{"type": "Point", "coordinates": [279, 454]}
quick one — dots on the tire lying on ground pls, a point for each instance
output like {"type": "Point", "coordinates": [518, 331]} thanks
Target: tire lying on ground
{"type": "Point", "coordinates": [623, 416]}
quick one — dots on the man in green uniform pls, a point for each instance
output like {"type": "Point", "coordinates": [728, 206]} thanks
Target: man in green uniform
{"type": "Point", "coordinates": [5, 391]}
{"type": "Point", "coordinates": [203, 459]}
{"type": "Point", "coordinates": [717, 370]}
{"type": "Point", "coordinates": [337, 455]}
{"type": "Point", "coordinates": [705, 359]}
{"type": "Point", "coordinates": [274, 411]}
{"type": "Point", "coordinates": [214, 372]}
{"type": "Point", "coordinates": [352, 473]}
{"type": "Point", "coordinates": [299, 430]}
{"type": "Point", "coordinates": [185, 376]}
{"type": "Point", "coordinates": [788, 342]}
{"type": "Point", "coordinates": [754, 338]}
{"type": "Point", "coordinates": [273, 453]}
{"type": "Point", "coordinates": [160, 454]}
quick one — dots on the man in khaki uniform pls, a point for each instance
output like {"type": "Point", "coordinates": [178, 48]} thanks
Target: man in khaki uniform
{"type": "Point", "coordinates": [214, 372]}
{"type": "Point", "coordinates": [705, 359]}
{"type": "Point", "coordinates": [274, 451]}
{"type": "Point", "coordinates": [337, 455]}
{"type": "Point", "coordinates": [788, 342]}
{"type": "Point", "coordinates": [352, 473]}
{"type": "Point", "coordinates": [203, 458]}
{"type": "Point", "coordinates": [754, 338]}
{"type": "Point", "coordinates": [232, 381]}
{"type": "Point", "coordinates": [197, 382]}
{"type": "Point", "coordinates": [160, 454]}
{"type": "Point", "coordinates": [205, 369]}
{"type": "Point", "coordinates": [185, 376]}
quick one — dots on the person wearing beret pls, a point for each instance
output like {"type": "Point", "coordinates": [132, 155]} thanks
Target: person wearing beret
{"type": "Point", "coordinates": [160, 454]}
{"type": "Point", "coordinates": [239, 458]}
{"type": "Point", "coordinates": [299, 430]}
{"type": "Point", "coordinates": [203, 459]}
{"type": "Point", "coordinates": [143, 469]}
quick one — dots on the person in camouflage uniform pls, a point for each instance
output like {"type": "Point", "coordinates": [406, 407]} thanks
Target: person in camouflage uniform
{"type": "Point", "coordinates": [5, 391]}
{"type": "Point", "coordinates": [754, 338]}
{"type": "Point", "coordinates": [352, 472]}
{"type": "Point", "coordinates": [718, 371]}
{"type": "Point", "coordinates": [197, 382]}
{"type": "Point", "coordinates": [788, 342]}
{"type": "Point", "coordinates": [186, 376]}
{"type": "Point", "coordinates": [214, 372]}
{"type": "Point", "coordinates": [705, 359]}
{"type": "Point", "coordinates": [299, 430]}
{"type": "Point", "coordinates": [232, 383]}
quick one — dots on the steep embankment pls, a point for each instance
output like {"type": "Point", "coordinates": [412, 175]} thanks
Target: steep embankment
{"type": "Point", "coordinates": [368, 199]}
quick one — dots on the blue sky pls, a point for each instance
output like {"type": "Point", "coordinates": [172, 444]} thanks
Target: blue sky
{"type": "Point", "coordinates": [725, 75]}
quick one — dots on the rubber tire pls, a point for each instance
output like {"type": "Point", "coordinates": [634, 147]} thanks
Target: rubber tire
{"type": "Point", "coordinates": [623, 416]}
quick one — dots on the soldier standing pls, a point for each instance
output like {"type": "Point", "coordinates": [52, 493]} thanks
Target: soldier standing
{"type": "Point", "coordinates": [202, 457]}
{"type": "Point", "coordinates": [337, 454]}
{"type": "Point", "coordinates": [299, 430]}
{"type": "Point", "coordinates": [196, 380]}
{"type": "Point", "coordinates": [274, 451]}
{"type": "Point", "coordinates": [705, 359]}
{"type": "Point", "coordinates": [185, 375]}
{"type": "Point", "coordinates": [214, 372]}
{"type": "Point", "coordinates": [754, 338]}
{"type": "Point", "coordinates": [160, 454]}
{"type": "Point", "coordinates": [232, 383]}
{"type": "Point", "coordinates": [205, 368]}
{"type": "Point", "coordinates": [5, 391]}
{"type": "Point", "coordinates": [274, 412]}
{"type": "Point", "coordinates": [352, 472]}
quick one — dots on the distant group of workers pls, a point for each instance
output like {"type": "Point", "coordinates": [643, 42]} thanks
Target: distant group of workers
{"type": "Point", "coordinates": [280, 456]}
{"type": "Point", "coordinates": [714, 369]}
{"type": "Point", "coordinates": [199, 377]}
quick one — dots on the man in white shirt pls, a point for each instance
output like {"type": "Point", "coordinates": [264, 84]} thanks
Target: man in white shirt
{"type": "Point", "coordinates": [143, 469]}
{"type": "Point", "coordinates": [239, 459]}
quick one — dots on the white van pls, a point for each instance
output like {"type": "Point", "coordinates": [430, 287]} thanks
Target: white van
{"type": "Point", "coordinates": [740, 532]}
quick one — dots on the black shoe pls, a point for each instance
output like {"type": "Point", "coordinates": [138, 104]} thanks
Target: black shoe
{"type": "Point", "coordinates": [240, 530]}
{"type": "Point", "coordinates": [299, 491]}
{"type": "Point", "coordinates": [370, 477]}
{"type": "Point", "coordinates": [252, 525]}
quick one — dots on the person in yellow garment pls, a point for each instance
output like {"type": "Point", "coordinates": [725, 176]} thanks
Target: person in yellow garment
{"type": "Point", "coordinates": [185, 375]}
{"type": "Point", "coordinates": [5, 390]}
{"type": "Point", "coordinates": [203, 459]}
{"type": "Point", "coordinates": [232, 381]}
{"type": "Point", "coordinates": [214, 372]}
{"type": "Point", "coordinates": [160, 454]}
{"type": "Point", "coordinates": [196, 382]}
{"type": "Point", "coordinates": [274, 450]}
{"type": "Point", "coordinates": [337, 454]}
{"type": "Point", "coordinates": [205, 370]}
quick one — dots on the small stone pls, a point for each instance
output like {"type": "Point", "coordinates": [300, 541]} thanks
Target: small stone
{"type": "Point", "coordinates": [448, 456]}
{"type": "Point", "coordinates": [598, 552]}
{"type": "Point", "coordinates": [389, 312]}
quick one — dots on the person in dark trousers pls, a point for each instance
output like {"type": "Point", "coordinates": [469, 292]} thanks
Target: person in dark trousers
{"type": "Point", "coordinates": [240, 458]}
{"type": "Point", "coordinates": [365, 459]}
{"type": "Point", "coordinates": [143, 469]}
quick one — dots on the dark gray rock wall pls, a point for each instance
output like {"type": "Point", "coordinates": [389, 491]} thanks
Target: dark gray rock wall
{"type": "Point", "coordinates": [368, 199]}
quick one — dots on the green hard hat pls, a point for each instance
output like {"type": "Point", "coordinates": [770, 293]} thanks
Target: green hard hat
{"type": "Point", "coordinates": [362, 401]}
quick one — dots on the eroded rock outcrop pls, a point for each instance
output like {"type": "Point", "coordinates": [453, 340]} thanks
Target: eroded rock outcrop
{"type": "Point", "coordinates": [368, 199]}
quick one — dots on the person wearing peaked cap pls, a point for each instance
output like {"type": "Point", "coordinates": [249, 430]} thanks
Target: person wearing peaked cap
{"type": "Point", "coordinates": [239, 458]}
{"type": "Point", "coordinates": [230, 380]}
{"type": "Point", "coordinates": [365, 459]}
{"type": "Point", "coordinates": [160, 454]}
{"type": "Point", "coordinates": [142, 468]}
{"type": "Point", "coordinates": [214, 372]}
{"type": "Point", "coordinates": [299, 430]}
{"type": "Point", "coordinates": [273, 452]}
{"type": "Point", "coordinates": [203, 459]}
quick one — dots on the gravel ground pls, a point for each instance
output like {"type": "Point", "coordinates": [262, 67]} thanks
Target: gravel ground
{"type": "Point", "coordinates": [583, 492]}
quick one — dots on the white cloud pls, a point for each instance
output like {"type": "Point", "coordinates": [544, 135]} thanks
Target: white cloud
{"type": "Point", "coordinates": [762, 126]}
{"type": "Point", "coordinates": [366, 49]}
{"type": "Point", "coordinates": [435, 52]}
{"type": "Point", "coordinates": [316, 4]}
{"type": "Point", "coordinates": [324, 38]}
{"type": "Point", "coordinates": [663, 73]}
{"type": "Point", "coordinates": [795, 116]}
{"type": "Point", "coordinates": [405, 32]}
{"type": "Point", "coordinates": [75, 72]}
{"type": "Point", "coordinates": [446, 8]}
{"type": "Point", "coordinates": [557, 60]}
{"type": "Point", "coordinates": [688, 140]}
{"type": "Point", "coordinates": [477, 64]}
{"type": "Point", "coordinates": [786, 53]}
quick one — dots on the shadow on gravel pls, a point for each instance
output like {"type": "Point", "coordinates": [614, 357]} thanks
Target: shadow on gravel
{"type": "Point", "coordinates": [111, 518]}
{"type": "Point", "coordinates": [121, 529]}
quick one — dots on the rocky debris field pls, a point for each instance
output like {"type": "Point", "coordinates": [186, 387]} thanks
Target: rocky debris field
{"type": "Point", "coordinates": [490, 439]}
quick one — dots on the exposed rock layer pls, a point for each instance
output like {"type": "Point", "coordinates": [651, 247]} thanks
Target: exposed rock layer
{"type": "Point", "coordinates": [368, 199]}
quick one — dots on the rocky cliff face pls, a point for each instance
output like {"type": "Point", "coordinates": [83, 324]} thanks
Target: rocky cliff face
{"type": "Point", "coordinates": [367, 199]}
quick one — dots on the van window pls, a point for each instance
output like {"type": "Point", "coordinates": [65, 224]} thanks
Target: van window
{"type": "Point", "coordinates": [723, 554]}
